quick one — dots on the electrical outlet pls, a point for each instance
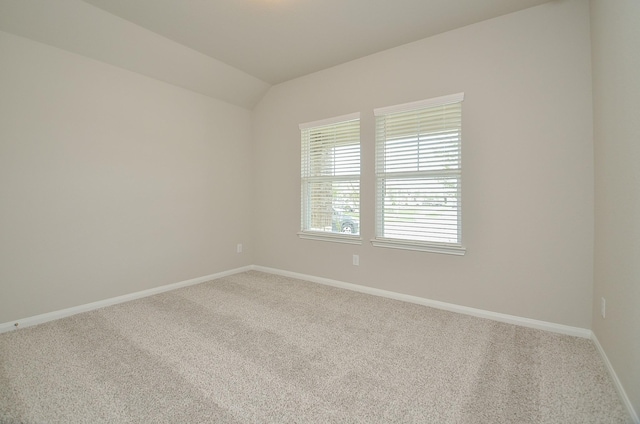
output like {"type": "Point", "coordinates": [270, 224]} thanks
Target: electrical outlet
{"type": "Point", "coordinates": [356, 259]}
{"type": "Point", "coordinates": [239, 248]}
{"type": "Point", "coordinates": [603, 307]}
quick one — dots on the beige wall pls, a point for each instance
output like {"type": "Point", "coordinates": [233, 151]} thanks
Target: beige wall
{"type": "Point", "coordinates": [616, 71]}
{"type": "Point", "coordinates": [527, 157]}
{"type": "Point", "coordinates": [111, 182]}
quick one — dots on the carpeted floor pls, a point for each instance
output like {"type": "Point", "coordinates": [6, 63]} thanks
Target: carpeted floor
{"type": "Point", "coordinates": [260, 348]}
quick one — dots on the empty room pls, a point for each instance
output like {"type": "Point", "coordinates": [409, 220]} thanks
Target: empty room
{"type": "Point", "coordinates": [319, 211]}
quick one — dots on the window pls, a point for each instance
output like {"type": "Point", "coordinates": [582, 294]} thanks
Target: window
{"type": "Point", "coordinates": [418, 176]}
{"type": "Point", "coordinates": [331, 179]}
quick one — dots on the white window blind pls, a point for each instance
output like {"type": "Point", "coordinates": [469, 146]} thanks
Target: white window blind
{"type": "Point", "coordinates": [418, 175]}
{"type": "Point", "coordinates": [331, 179]}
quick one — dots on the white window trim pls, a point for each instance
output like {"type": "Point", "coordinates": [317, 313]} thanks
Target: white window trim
{"type": "Point", "coordinates": [448, 249]}
{"type": "Point", "coordinates": [442, 248]}
{"type": "Point", "coordinates": [420, 104]}
{"type": "Point", "coordinates": [327, 236]}
{"type": "Point", "coordinates": [330, 121]}
{"type": "Point", "coordinates": [332, 237]}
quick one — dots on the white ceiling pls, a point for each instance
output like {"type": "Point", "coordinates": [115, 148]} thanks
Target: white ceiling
{"type": "Point", "coordinates": [277, 40]}
{"type": "Point", "coordinates": [234, 50]}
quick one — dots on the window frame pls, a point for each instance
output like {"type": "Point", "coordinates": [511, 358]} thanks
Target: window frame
{"type": "Point", "coordinates": [382, 175]}
{"type": "Point", "coordinates": [305, 202]}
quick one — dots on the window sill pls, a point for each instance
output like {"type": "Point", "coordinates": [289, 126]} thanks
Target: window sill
{"type": "Point", "coordinates": [331, 237]}
{"type": "Point", "coordinates": [443, 248]}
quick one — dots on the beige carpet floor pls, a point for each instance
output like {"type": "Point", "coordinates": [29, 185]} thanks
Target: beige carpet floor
{"type": "Point", "coordinates": [260, 348]}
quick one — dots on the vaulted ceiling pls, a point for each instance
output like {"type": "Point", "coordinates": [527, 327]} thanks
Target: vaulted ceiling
{"type": "Point", "coordinates": [235, 49]}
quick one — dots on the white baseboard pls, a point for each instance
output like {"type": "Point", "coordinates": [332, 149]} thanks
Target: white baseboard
{"type": "Point", "coordinates": [495, 316]}
{"type": "Point", "coordinates": [616, 381]}
{"type": "Point", "coordinates": [510, 319]}
{"type": "Point", "coordinates": [40, 319]}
